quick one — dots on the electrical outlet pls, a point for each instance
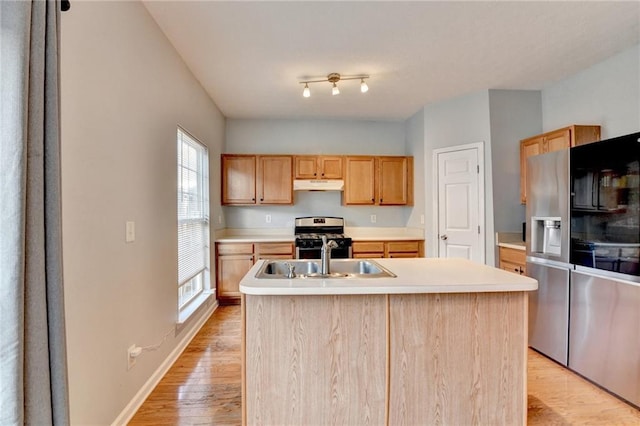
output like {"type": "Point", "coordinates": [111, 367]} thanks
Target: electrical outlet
{"type": "Point", "coordinates": [219, 218]}
{"type": "Point", "coordinates": [267, 218]}
{"type": "Point", "coordinates": [130, 232]}
{"type": "Point", "coordinates": [373, 218]}
{"type": "Point", "coordinates": [422, 219]}
{"type": "Point", "coordinates": [131, 359]}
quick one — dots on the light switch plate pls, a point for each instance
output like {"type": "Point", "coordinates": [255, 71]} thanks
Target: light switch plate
{"type": "Point", "coordinates": [130, 233]}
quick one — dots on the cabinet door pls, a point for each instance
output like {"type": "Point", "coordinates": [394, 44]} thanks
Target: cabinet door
{"type": "Point", "coordinates": [274, 182]}
{"type": "Point", "coordinates": [557, 140]}
{"type": "Point", "coordinates": [238, 179]}
{"type": "Point", "coordinates": [359, 185]}
{"type": "Point", "coordinates": [306, 167]}
{"type": "Point", "coordinates": [528, 147]}
{"type": "Point", "coordinates": [231, 269]}
{"type": "Point", "coordinates": [393, 185]}
{"type": "Point", "coordinates": [330, 167]}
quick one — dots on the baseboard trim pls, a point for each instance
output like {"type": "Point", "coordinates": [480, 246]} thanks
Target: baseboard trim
{"type": "Point", "coordinates": [136, 402]}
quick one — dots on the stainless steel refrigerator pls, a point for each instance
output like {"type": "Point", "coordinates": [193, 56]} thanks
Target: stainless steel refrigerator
{"type": "Point", "coordinates": [548, 253]}
{"type": "Point", "coordinates": [604, 328]}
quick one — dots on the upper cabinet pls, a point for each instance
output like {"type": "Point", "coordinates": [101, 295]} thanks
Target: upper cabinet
{"type": "Point", "coordinates": [238, 179]}
{"type": "Point", "coordinates": [257, 179]}
{"type": "Point", "coordinates": [274, 184]}
{"type": "Point", "coordinates": [360, 180]}
{"type": "Point", "coordinates": [553, 141]}
{"type": "Point", "coordinates": [395, 181]}
{"type": "Point", "coordinates": [318, 167]}
{"type": "Point", "coordinates": [383, 181]}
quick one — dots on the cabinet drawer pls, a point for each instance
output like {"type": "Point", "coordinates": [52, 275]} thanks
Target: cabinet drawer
{"type": "Point", "coordinates": [367, 247]}
{"type": "Point", "coordinates": [512, 256]}
{"type": "Point", "coordinates": [233, 248]}
{"type": "Point", "coordinates": [403, 246]}
{"type": "Point", "coordinates": [274, 248]}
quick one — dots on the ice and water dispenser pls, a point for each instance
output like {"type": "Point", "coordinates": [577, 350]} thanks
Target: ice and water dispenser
{"type": "Point", "coordinates": [546, 235]}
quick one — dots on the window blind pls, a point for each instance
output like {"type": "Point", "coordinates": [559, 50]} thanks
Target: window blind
{"type": "Point", "coordinates": [193, 216]}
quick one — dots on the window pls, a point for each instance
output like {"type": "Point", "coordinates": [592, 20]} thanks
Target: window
{"type": "Point", "coordinates": [193, 219]}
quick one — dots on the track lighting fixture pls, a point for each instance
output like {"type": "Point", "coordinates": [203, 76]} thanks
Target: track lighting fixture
{"type": "Point", "coordinates": [363, 86]}
{"type": "Point", "coordinates": [334, 78]}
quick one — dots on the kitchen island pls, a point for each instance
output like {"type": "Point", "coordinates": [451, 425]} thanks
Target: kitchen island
{"type": "Point", "coordinates": [443, 342]}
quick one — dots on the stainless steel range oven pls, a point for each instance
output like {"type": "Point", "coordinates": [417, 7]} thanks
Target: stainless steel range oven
{"type": "Point", "coordinates": [309, 230]}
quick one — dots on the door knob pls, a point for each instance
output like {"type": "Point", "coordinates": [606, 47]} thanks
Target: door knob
{"type": "Point", "coordinates": [443, 237]}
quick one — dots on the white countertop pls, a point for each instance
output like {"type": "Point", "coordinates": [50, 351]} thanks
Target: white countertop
{"type": "Point", "coordinates": [511, 240]}
{"type": "Point", "coordinates": [421, 275]}
{"type": "Point", "coordinates": [514, 245]}
{"type": "Point", "coordinates": [276, 235]}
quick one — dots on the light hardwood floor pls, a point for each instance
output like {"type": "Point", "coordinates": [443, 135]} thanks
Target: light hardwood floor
{"type": "Point", "coordinates": [203, 386]}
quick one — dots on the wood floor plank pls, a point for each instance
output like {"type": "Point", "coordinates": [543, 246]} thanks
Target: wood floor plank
{"type": "Point", "coordinates": [203, 387]}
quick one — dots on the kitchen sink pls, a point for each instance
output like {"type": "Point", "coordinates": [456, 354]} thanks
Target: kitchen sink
{"type": "Point", "coordinates": [340, 268]}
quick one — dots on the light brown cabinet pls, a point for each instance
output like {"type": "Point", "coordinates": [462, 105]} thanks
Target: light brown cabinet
{"type": "Point", "coordinates": [274, 251]}
{"type": "Point", "coordinates": [553, 141]}
{"type": "Point", "coordinates": [274, 183]}
{"type": "Point", "coordinates": [391, 249]}
{"type": "Point", "coordinates": [367, 249]}
{"type": "Point", "coordinates": [238, 179]}
{"type": "Point", "coordinates": [318, 167]}
{"type": "Point", "coordinates": [233, 261]}
{"type": "Point", "coordinates": [403, 249]}
{"type": "Point", "coordinates": [513, 260]}
{"type": "Point", "coordinates": [383, 181]}
{"type": "Point", "coordinates": [255, 180]}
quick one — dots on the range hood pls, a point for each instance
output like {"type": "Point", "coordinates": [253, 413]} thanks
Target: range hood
{"type": "Point", "coordinates": [318, 185]}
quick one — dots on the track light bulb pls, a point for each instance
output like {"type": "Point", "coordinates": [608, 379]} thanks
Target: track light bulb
{"type": "Point", "coordinates": [306, 92]}
{"type": "Point", "coordinates": [363, 86]}
{"type": "Point", "coordinates": [335, 90]}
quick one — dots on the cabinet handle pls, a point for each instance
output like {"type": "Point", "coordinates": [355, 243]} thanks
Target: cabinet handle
{"type": "Point", "coordinates": [373, 200]}
{"type": "Point", "coordinates": [253, 199]}
{"type": "Point", "coordinates": [261, 199]}
{"type": "Point", "coordinates": [315, 174]}
{"type": "Point", "coordinates": [323, 174]}
{"type": "Point", "coordinates": [380, 199]}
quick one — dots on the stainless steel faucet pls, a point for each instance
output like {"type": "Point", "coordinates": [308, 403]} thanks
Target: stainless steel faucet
{"type": "Point", "coordinates": [325, 254]}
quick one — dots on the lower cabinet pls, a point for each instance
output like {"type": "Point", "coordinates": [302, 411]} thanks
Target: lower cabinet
{"type": "Point", "coordinates": [380, 249]}
{"type": "Point", "coordinates": [513, 260]}
{"type": "Point", "coordinates": [234, 260]}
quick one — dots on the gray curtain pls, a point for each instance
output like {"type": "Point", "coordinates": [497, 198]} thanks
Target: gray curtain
{"type": "Point", "coordinates": [33, 367]}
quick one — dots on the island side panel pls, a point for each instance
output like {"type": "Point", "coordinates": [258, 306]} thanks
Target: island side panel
{"type": "Point", "coordinates": [458, 358]}
{"type": "Point", "coordinates": [315, 360]}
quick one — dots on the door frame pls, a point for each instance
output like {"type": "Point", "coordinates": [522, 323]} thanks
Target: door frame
{"type": "Point", "coordinates": [479, 147]}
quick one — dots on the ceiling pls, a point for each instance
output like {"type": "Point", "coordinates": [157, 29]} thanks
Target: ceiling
{"type": "Point", "coordinates": [250, 56]}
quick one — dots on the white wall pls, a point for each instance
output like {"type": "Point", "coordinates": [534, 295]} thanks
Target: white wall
{"type": "Point", "coordinates": [607, 94]}
{"type": "Point", "coordinates": [515, 115]}
{"type": "Point", "coordinates": [314, 137]}
{"type": "Point", "coordinates": [124, 90]}
{"type": "Point", "coordinates": [450, 123]}
{"type": "Point", "coordinates": [414, 130]}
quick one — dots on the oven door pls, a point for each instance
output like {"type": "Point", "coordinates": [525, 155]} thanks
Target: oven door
{"type": "Point", "coordinates": [315, 253]}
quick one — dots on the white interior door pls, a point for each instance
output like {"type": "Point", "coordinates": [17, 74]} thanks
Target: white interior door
{"type": "Point", "coordinates": [460, 202]}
